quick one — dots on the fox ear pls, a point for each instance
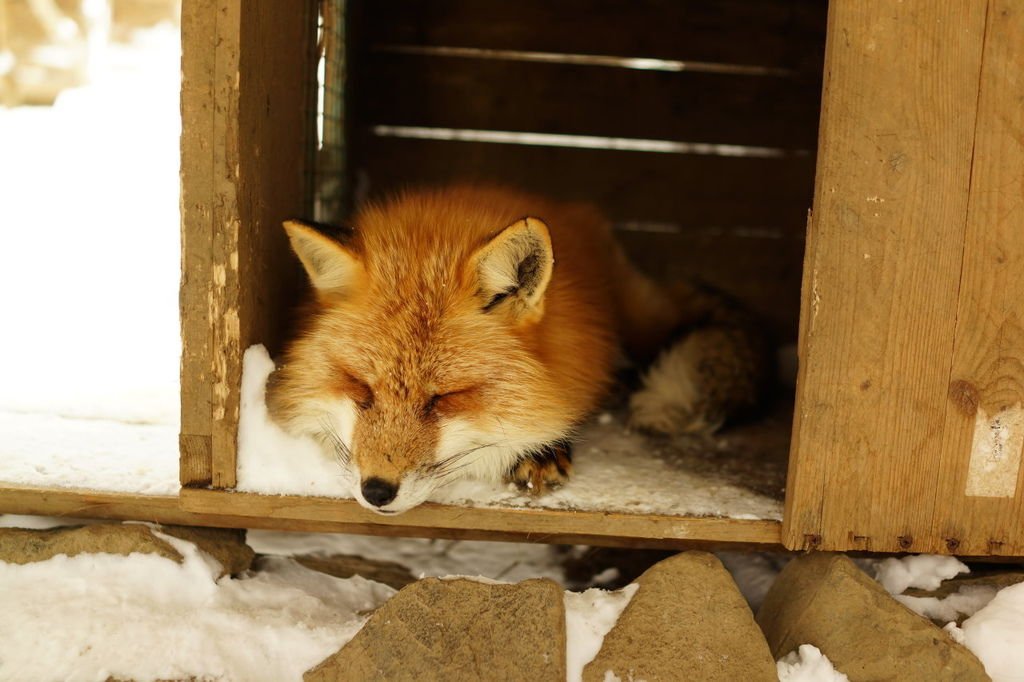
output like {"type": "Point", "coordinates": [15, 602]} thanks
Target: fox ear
{"type": "Point", "coordinates": [332, 268]}
{"type": "Point", "coordinates": [514, 268]}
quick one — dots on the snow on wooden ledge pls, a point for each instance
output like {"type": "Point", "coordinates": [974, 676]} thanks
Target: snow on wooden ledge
{"type": "Point", "coordinates": [739, 475]}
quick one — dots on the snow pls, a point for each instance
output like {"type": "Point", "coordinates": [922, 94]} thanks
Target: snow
{"type": "Point", "coordinates": [589, 616]}
{"type": "Point", "coordinates": [926, 572]}
{"type": "Point", "coordinates": [921, 571]}
{"type": "Point", "coordinates": [994, 630]}
{"type": "Point", "coordinates": [967, 601]}
{"type": "Point", "coordinates": [145, 617]}
{"type": "Point", "coordinates": [614, 470]}
{"type": "Point", "coordinates": [89, 276]}
{"type": "Point", "coordinates": [49, 450]}
{"type": "Point", "coordinates": [506, 561]}
{"type": "Point", "coordinates": [808, 664]}
{"type": "Point", "coordinates": [996, 635]}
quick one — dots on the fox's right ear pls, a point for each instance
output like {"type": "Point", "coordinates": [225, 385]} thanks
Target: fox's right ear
{"type": "Point", "coordinates": [332, 268]}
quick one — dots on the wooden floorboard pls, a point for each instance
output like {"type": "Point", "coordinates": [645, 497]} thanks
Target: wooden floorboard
{"type": "Point", "coordinates": [203, 507]}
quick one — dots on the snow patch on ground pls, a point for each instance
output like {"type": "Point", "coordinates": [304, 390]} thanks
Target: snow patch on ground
{"type": "Point", "coordinates": [145, 617]}
{"type": "Point", "coordinates": [927, 572]}
{"type": "Point", "coordinates": [967, 601]}
{"type": "Point", "coordinates": [808, 664]}
{"type": "Point", "coordinates": [47, 450]}
{"type": "Point", "coordinates": [996, 635]}
{"type": "Point", "coordinates": [615, 471]}
{"type": "Point", "coordinates": [89, 274]}
{"type": "Point", "coordinates": [922, 571]}
{"type": "Point", "coordinates": [506, 561]}
{"type": "Point", "coordinates": [589, 616]}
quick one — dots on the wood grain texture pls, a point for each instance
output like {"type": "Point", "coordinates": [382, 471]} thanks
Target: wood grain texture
{"type": "Point", "coordinates": [765, 32]}
{"type": "Point", "coordinates": [530, 525]}
{"type": "Point", "coordinates": [224, 509]}
{"type": "Point", "coordinates": [685, 189]}
{"type": "Point", "coordinates": [454, 92]}
{"type": "Point", "coordinates": [982, 496]}
{"type": "Point", "coordinates": [247, 128]}
{"type": "Point", "coordinates": [255, 277]}
{"type": "Point", "coordinates": [198, 36]}
{"type": "Point", "coordinates": [223, 307]}
{"type": "Point", "coordinates": [882, 273]}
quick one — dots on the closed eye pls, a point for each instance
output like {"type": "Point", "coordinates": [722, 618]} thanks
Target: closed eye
{"type": "Point", "coordinates": [431, 405]}
{"type": "Point", "coordinates": [452, 401]}
{"type": "Point", "coordinates": [359, 391]}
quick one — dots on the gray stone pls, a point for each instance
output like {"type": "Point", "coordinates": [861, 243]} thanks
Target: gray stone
{"type": "Point", "coordinates": [688, 621]}
{"type": "Point", "coordinates": [458, 630]}
{"type": "Point", "coordinates": [346, 565]}
{"type": "Point", "coordinates": [22, 546]}
{"type": "Point", "coordinates": [825, 600]}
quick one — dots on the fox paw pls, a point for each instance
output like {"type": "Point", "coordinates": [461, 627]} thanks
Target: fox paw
{"type": "Point", "coordinates": [543, 471]}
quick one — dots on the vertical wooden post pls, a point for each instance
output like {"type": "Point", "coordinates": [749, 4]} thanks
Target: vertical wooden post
{"type": "Point", "coordinates": [981, 496]}
{"type": "Point", "coordinates": [209, 34]}
{"type": "Point", "coordinates": [249, 71]}
{"type": "Point", "coordinates": [882, 273]}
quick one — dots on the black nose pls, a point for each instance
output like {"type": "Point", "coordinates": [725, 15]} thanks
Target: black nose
{"type": "Point", "coordinates": [379, 492]}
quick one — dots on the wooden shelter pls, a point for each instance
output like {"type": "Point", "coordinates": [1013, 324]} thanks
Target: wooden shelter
{"type": "Point", "coordinates": [695, 125]}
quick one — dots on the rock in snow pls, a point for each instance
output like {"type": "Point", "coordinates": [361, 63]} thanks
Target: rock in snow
{"type": "Point", "coordinates": [458, 630]}
{"type": "Point", "coordinates": [20, 546]}
{"type": "Point", "coordinates": [687, 621]}
{"type": "Point", "coordinates": [824, 599]}
{"type": "Point", "coordinates": [345, 566]}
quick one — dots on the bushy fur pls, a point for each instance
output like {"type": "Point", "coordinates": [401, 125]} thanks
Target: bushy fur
{"type": "Point", "coordinates": [456, 330]}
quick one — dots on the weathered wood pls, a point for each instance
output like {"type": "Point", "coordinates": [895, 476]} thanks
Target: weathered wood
{"type": "Point", "coordinates": [685, 189]}
{"type": "Point", "coordinates": [882, 273]}
{"type": "Point", "coordinates": [247, 122]}
{"type": "Point", "coordinates": [981, 501]}
{"type": "Point", "coordinates": [255, 277]}
{"type": "Point", "coordinates": [777, 33]}
{"type": "Point", "coordinates": [223, 300]}
{"type": "Point", "coordinates": [241, 510]}
{"type": "Point", "coordinates": [198, 35]}
{"type": "Point", "coordinates": [528, 524]}
{"type": "Point", "coordinates": [453, 92]}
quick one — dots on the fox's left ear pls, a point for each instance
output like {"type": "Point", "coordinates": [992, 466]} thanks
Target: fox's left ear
{"type": "Point", "coordinates": [514, 268]}
{"type": "Point", "coordinates": [332, 267]}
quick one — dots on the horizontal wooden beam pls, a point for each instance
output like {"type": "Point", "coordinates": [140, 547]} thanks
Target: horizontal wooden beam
{"type": "Point", "coordinates": [529, 525]}
{"type": "Point", "coordinates": [245, 510]}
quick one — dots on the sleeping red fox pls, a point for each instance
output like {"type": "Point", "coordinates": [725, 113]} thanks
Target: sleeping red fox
{"type": "Point", "coordinates": [467, 331]}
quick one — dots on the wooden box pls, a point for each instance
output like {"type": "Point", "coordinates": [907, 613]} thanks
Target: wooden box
{"type": "Point", "coordinates": [696, 126]}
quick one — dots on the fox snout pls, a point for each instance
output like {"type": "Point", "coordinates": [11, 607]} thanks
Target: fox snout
{"type": "Point", "coordinates": [379, 492]}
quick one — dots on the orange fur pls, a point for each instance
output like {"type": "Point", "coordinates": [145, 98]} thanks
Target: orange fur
{"type": "Point", "coordinates": [403, 364]}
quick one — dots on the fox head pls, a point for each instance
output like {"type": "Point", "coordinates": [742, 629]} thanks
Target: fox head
{"type": "Point", "coordinates": [419, 360]}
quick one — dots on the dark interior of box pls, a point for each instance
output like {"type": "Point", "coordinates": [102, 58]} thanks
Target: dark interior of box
{"type": "Point", "coordinates": [692, 125]}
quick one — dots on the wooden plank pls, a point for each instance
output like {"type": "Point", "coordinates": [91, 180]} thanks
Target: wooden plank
{"type": "Point", "coordinates": [982, 496]}
{"type": "Point", "coordinates": [224, 312]}
{"type": "Point", "coordinates": [524, 524]}
{"type": "Point", "coordinates": [240, 510]}
{"type": "Point", "coordinates": [685, 189]}
{"type": "Point", "coordinates": [269, 129]}
{"type": "Point", "coordinates": [452, 92]}
{"type": "Point", "coordinates": [198, 31]}
{"type": "Point", "coordinates": [762, 269]}
{"type": "Point", "coordinates": [884, 254]}
{"type": "Point", "coordinates": [776, 33]}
